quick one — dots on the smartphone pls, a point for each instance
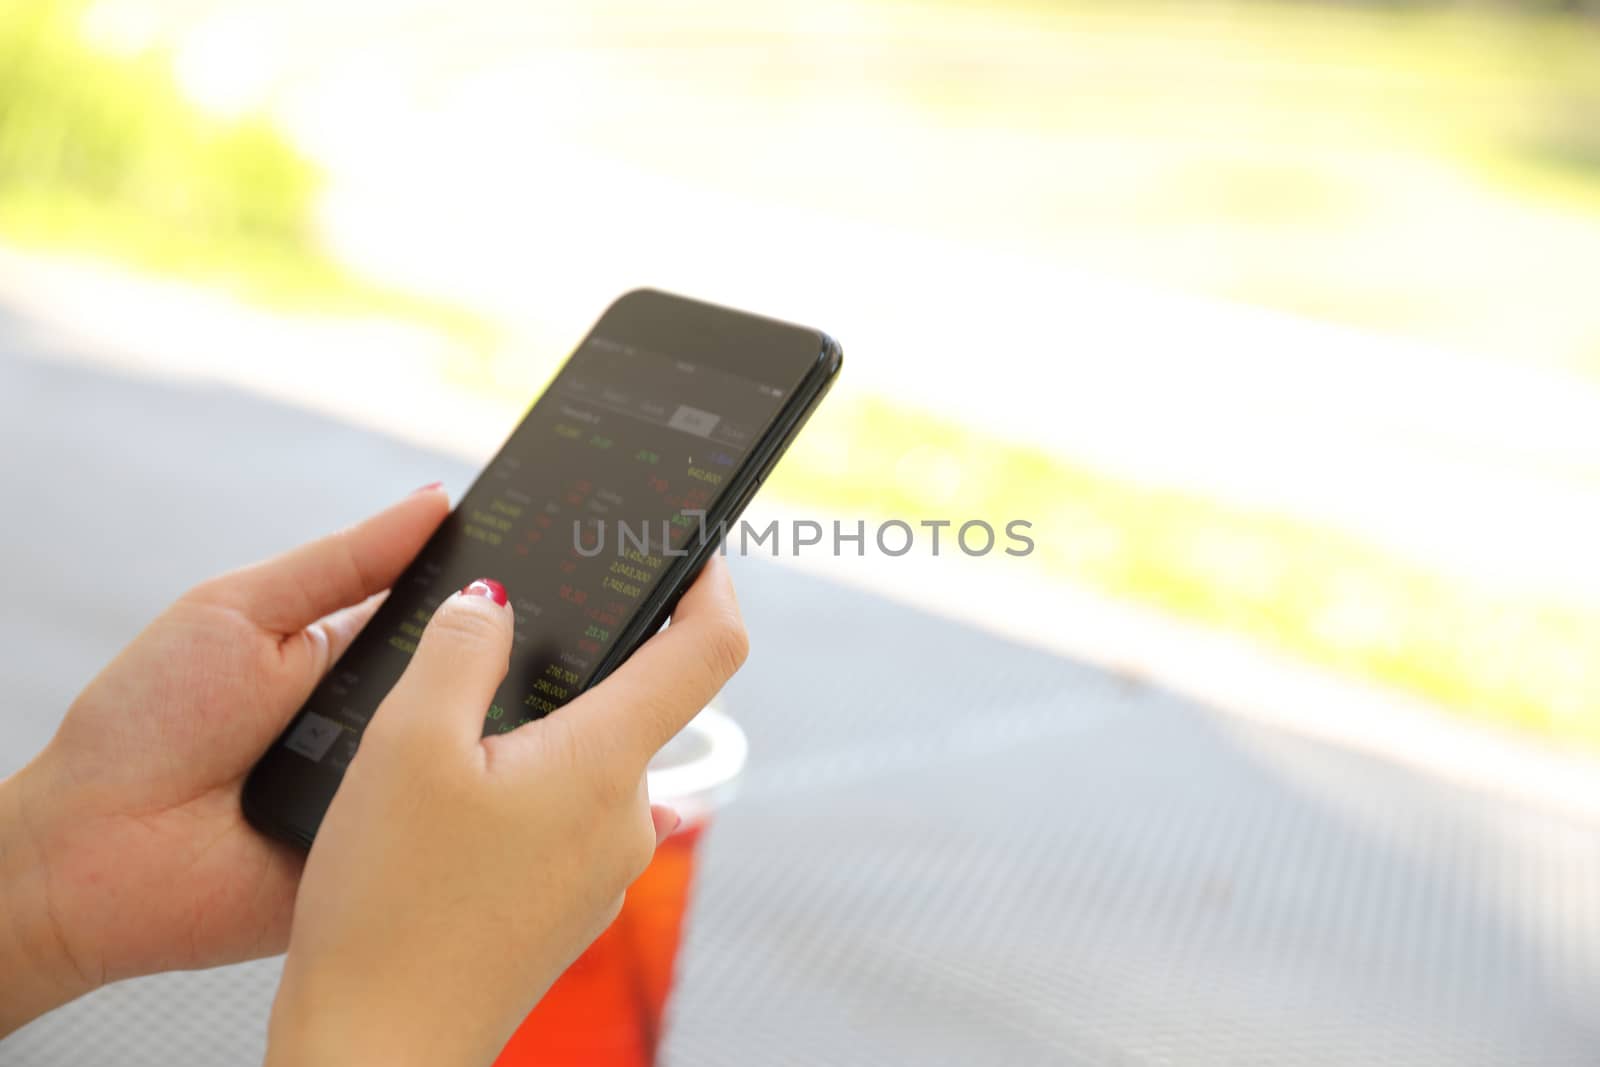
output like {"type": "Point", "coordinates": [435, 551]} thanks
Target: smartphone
{"type": "Point", "coordinates": [596, 514]}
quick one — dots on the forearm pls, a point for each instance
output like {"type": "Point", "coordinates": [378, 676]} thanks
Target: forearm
{"type": "Point", "coordinates": [37, 973]}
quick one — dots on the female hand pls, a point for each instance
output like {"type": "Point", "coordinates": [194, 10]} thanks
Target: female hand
{"type": "Point", "coordinates": [456, 876]}
{"type": "Point", "coordinates": [122, 847]}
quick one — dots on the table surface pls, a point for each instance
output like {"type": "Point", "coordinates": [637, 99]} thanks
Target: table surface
{"type": "Point", "coordinates": [948, 849]}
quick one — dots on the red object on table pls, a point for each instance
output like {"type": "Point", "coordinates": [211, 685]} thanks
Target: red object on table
{"type": "Point", "coordinates": [607, 1009]}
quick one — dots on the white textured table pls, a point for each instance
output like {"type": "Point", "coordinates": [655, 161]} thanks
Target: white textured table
{"type": "Point", "coordinates": [950, 850]}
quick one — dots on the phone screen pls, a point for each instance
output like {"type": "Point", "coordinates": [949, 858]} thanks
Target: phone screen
{"type": "Point", "coordinates": [596, 493]}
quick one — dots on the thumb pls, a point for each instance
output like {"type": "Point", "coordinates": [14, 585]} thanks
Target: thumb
{"type": "Point", "coordinates": [459, 663]}
{"type": "Point", "coordinates": [294, 590]}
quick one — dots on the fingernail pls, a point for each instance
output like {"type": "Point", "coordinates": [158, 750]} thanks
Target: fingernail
{"type": "Point", "coordinates": [426, 488]}
{"type": "Point", "coordinates": [666, 821]}
{"type": "Point", "coordinates": [487, 587]}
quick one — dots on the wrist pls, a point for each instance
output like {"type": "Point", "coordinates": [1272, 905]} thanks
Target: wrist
{"type": "Point", "coordinates": [337, 1033]}
{"type": "Point", "coordinates": [300, 1035]}
{"type": "Point", "coordinates": [363, 1022]}
{"type": "Point", "coordinates": [37, 970]}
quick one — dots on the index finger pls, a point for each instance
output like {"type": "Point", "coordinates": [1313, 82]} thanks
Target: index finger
{"type": "Point", "coordinates": [662, 686]}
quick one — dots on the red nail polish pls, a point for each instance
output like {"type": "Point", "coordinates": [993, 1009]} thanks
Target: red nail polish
{"type": "Point", "coordinates": [666, 821]}
{"type": "Point", "coordinates": [487, 587]}
{"type": "Point", "coordinates": [426, 488]}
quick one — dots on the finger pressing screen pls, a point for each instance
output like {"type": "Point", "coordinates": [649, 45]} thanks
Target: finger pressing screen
{"type": "Point", "coordinates": [460, 661]}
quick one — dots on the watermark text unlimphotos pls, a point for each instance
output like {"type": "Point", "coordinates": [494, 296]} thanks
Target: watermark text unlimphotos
{"type": "Point", "coordinates": [892, 537]}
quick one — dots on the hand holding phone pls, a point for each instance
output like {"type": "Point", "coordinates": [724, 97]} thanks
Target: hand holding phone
{"type": "Point", "coordinates": [124, 848]}
{"type": "Point", "coordinates": [595, 515]}
{"type": "Point", "coordinates": [456, 875]}
{"type": "Point", "coordinates": [128, 853]}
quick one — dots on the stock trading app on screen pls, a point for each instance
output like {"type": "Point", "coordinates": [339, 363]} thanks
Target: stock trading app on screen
{"type": "Point", "coordinates": [631, 446]}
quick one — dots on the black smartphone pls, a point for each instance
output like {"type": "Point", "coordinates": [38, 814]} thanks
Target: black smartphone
{"type": "Point", "coordinates": [596, 514]}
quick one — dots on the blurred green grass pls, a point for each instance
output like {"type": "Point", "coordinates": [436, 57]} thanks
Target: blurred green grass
{"type": "Point", "coordinates": [1430, 170]}
{"type": "Point", "coordinates": [101, 154]}
{"type": "Point", "coordinates": [1316, 594]}
{"type": "Point", "coordinates": [84, 127]}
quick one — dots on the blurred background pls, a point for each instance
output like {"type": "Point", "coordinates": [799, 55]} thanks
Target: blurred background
{"type": "Point", "coordinates": [1279, 321]}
